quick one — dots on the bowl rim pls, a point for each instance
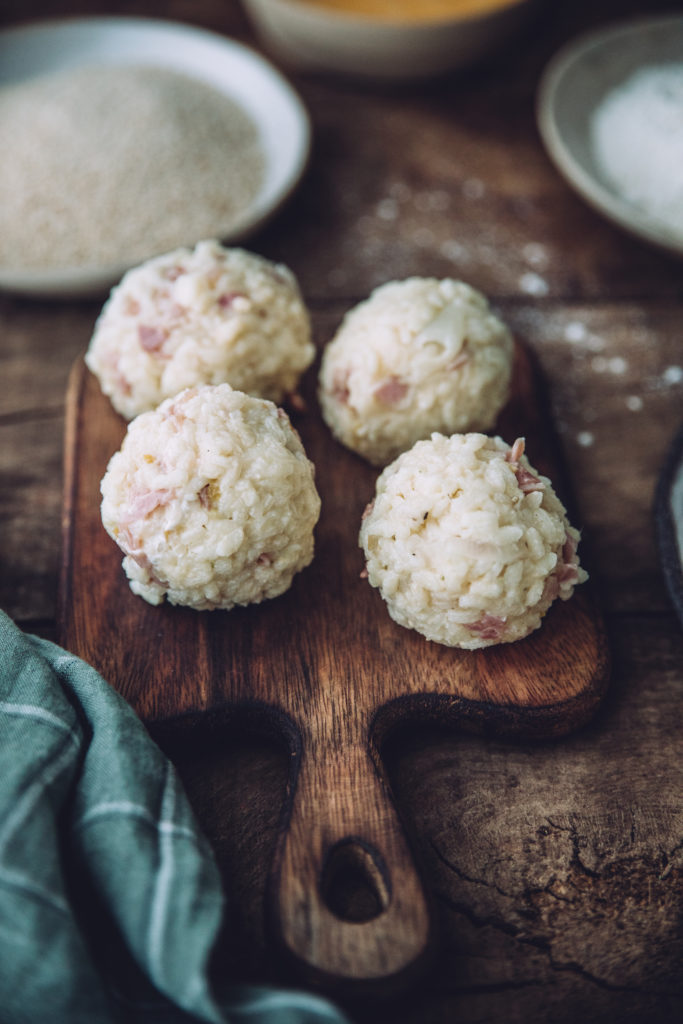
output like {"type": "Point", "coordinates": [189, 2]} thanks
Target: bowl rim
{"type": "Point", "coordinates": [607, 202]}
{"type": "Point", "coordinates": [367, 19]}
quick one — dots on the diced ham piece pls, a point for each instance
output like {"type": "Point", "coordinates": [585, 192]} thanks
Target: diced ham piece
{"type": "Point", "coordinates": [144, 563]}
{"type": "Point", "coordinates": [459, 361]}
{"type": "Point", "coordinates": [567, 569]}
{"type": "Point", "coordinates": [227, 298]}
{"type": "Point", "coordinates": [368, 509]}
{"type": "Point", "coordinates": [130, 545]}
{"type": "Point", "coordinates": [145, 503]}
{"type": "Point", "coordinates": [567, 573]}
{"type": "Point", "coordinates": [142, 560]}
{"type": "Point", "coordinates": [488, 627]}
{"type": "Point", "coordinates": [131, 306]}
{"type": "Point", "coordinates": [391, 392]}
{"type": "Point", "coordinates": [526, 480]}
{"type": "Point", "coordinates": [340, 386]}
{"type": "Point", "coordinates": [264, 559]}
{"type": "Point", "coordinates": [127, 542]}
{"type": "Point", "coordinates": [174, 413]}
{"type": "Point", "coordinates": [111, 358]}
{"type": "Point", "coordinates": [176, 416]}
{"type": "Point", "coordinates": [173, 273]}
{"type": "Point", "coordinates": [569, 550]}
{"type": "Point", "coordinates": [123, 384]}
{"type": "Point", "coordinates": [151, 338]}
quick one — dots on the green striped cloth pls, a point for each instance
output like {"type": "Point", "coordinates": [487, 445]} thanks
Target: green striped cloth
{"type": "Point", "coordinates": [110, 899]}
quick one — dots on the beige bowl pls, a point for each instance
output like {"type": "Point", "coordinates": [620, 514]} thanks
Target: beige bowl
{"type": "Point", "coordinates": [309, 35]}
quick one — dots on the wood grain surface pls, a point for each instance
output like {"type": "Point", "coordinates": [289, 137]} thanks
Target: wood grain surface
{"type": "Point", "coordinates": [553, 869]}
{"type": "Point", "coordinates": [327, 664]}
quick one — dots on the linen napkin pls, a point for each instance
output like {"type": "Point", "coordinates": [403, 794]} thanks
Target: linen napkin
{"type": "Point", "coordinates": [110, 898]}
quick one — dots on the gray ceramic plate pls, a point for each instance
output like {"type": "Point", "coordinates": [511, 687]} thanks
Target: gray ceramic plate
{"type": "Point", "coordinates": [574, 83]}
{"type": "Point", "coordinates": [238, 72]}
{"type": "Point", "coordinates": [669, 522]}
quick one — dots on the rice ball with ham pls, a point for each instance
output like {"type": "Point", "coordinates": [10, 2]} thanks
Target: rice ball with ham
{"type": "Point", "coordinates": [204, 316]}
{"type": "Point", "coordinates": [212, 500]}
{"type": "Point", "coordinates": [467, 543]}
{"type": "Point", "coordinates": [418, 356]}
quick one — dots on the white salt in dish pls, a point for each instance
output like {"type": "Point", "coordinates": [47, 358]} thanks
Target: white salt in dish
{"type": "Point", "coordinates": [242, 76]}
{"type": "Point", "coordinates": [584, 95]}
{"type": "Point", "coordinates": [637, 138]}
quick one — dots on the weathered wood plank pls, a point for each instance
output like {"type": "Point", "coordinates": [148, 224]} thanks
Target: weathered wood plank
{"type": "Point", "coordinates": [38, 344]}
{"type": "Point", "coordinates": [556, 868]}
{"type": "Point", "coordinates": [615, 384]}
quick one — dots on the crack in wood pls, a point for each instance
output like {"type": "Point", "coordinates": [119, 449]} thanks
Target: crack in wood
{"type": "Point", "coordinates": [668, 858]}
{"type": "Point", "coordinates": [468, 878]}
{"type": "Point", "coordinates": [544, 946]}
{"type": "Point", "coordinates": [576, 840]}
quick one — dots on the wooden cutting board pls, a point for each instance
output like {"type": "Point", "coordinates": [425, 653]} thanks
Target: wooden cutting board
{"type": "Point", "coordinates": [327, 667]}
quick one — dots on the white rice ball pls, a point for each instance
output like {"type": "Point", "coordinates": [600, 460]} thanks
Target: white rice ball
{"type": "Point", "coordinates": [203, 316]}
{"type": "Point", "coordinates": [212, 499]}
{"type": "Point", "coordinates": [467, 544]}
{"type": "Point", "coordinates": [418, 356]}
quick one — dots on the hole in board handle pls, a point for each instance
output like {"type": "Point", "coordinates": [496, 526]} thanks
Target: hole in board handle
{"type": "Point", "coordinates": [355, 882]}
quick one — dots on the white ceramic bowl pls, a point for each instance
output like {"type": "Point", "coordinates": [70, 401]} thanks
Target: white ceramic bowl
{"type": "Point", "coordinates": [238, 72]}
{"type": "Point", "coordinates": [572, 87]}
{"type": "Point", "coordinates": [311, 36]}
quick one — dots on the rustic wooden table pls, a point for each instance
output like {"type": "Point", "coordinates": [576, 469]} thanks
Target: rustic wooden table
{"type": "Point", "coordinates": [555, 869]}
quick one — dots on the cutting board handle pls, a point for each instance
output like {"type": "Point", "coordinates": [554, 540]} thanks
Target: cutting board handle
{"type": "Point", "coordinates": [344, 833]}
